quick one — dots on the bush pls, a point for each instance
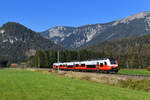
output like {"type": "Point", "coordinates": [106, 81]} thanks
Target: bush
{"type": "Point", "coordinates": [148, 68]}
{"type": "Point", "coordinates": [86, 77]}
{"type": "Point", "coordinates": [8, 64]}
{"type": "Point", "coordinates": [3, 63]}
{"type": "Point", "coordinates": [143, 85]}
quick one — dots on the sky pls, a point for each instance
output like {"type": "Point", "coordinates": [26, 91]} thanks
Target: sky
{"type": "Point", "coordinates": [40, 15]}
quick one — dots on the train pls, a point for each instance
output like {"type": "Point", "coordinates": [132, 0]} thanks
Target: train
{"type": "Point", "coordinates": [106, 65]}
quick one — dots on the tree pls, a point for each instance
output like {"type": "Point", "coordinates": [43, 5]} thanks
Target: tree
{"type": "Point", "coordinates": [39, 59]}
{"type": "Point", "coordinates": [53, 57]}
{"type": "Point", "coordinates": [46, 59]}
{"type": "Point", "coordinates": [62, 56]}
{"type": "Point", "coordinates": [69, 56]}
{"type": "Point", "coordinates": [35, 60]}
{"type": "Point", "coordinates": [3, 63]}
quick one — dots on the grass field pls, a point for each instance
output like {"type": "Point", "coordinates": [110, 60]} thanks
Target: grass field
{"type": "Point", "coordinates": [134, 71]}
{"type": "Point", "coordinates": [27, 85]}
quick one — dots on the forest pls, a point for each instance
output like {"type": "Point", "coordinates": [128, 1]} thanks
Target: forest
{"type": "Point", "coordinates": [45, 59]}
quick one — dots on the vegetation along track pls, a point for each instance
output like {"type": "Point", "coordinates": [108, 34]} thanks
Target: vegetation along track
{"type": "Point", "coordinates": [119, 76]}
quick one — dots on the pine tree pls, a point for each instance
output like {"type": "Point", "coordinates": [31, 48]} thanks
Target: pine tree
{"type": "Point", "coordinates": [53, 57]}
{"type": "Point", "coordinates": [46, 59]}
{"type": "Point", "coordinates": [68, 56]}
{"type": "Point", "coordinates": [62, 56]}
{"type": "Point", "coordinates": [36, 59]}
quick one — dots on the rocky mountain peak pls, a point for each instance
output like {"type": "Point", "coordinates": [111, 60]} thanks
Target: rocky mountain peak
{"type": "Point", "coordinates": [132, 17]}
{"type": "Point", "coordinates": [136, 16]}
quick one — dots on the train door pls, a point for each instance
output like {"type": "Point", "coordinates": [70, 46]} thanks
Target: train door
{"type": "Point", "coordinates": [101, 66]}
{"type": "Point", "coordinates": [97, 66]}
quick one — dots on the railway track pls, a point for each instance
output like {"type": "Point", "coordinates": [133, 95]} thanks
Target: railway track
{"type": "Point", "coordinates": [124, 76]}
{"type": "Point", "coordinates": [135, 75]}
{"type": "Point", "coordinates": [138, 77]}
{"type": "Point", "coordinates": [128, 76]}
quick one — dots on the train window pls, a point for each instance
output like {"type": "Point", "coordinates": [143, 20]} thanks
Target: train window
{"type": "Point", "coordinates": [101, 64]}
{"type": "Point", "coordinates": [83, 65]}
{"type": "Point", "coordinates": [77, 65]}
{"type": "Point", "coordinates": [112, 61]}
{"type": "Point", "coordinates": [70, 66]}
{"type": "Point", "coordinates": [91, 66]}
{"type": "Point", "coordinates": [105, 63]}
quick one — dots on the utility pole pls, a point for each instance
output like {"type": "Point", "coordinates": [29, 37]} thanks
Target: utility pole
{"type": "Point", "coordinates": [58, 58]}
{"type": "Point", "coordinates": [38, 62]}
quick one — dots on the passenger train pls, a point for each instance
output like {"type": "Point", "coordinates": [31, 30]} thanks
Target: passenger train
{"type": "Point", "coordinates": [106, 65]}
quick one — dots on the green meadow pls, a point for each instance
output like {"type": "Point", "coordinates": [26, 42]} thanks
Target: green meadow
{"type": "Point", "coordinates": [27, 85]}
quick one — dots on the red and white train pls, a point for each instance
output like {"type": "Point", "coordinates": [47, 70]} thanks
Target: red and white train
{"type": "Point", "coordinates": [102, 65]}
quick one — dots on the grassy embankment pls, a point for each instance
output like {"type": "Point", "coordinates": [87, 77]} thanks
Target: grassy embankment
{"type": "Point", "coordinates": [134, 71]}
{"type": "Point", "coordinates": [27, 85]}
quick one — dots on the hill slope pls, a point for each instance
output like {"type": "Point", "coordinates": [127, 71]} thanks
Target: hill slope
{"type": "Point", "coordinates": [123, 44]}
{"type": "Point", "coordinates": [18, 42]}
{"type": "Point", "coordinates": [131, 52]}
{"type": "Point", "coordinates": [75, 37]}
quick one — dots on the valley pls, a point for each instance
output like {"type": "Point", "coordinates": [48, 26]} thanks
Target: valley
{"type": "Point", "coordinates": [75, 50]}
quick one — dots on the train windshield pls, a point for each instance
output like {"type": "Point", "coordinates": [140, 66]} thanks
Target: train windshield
{"type": "Point", "coordinates": [112, 61]}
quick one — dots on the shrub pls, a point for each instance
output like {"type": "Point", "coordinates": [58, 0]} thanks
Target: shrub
{"type": "Point", "coordinates": [143, 85]}
{"type": "Point", "coordinates": [148, 68]}
{"type": "Point", "coordinates": [86, 77]}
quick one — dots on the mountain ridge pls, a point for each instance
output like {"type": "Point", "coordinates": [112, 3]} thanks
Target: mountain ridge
{"type": "Point", "coordinates": [76, 37]}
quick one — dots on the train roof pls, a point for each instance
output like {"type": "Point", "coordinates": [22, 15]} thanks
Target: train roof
{"type": "Point", "coordinates": [56, 64]}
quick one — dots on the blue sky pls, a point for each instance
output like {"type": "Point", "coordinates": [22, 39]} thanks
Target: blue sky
{"type": "Point", "coordinates": [40, 15]}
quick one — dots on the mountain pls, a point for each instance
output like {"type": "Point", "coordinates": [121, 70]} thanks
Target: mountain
{"type": "Point", "coordinates": [76, 37]}
{"type": "Point", "coordinates": [17, 42]}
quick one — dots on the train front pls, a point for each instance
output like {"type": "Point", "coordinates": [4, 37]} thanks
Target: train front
{"type": "Point", "coordinates": [114, 65]}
